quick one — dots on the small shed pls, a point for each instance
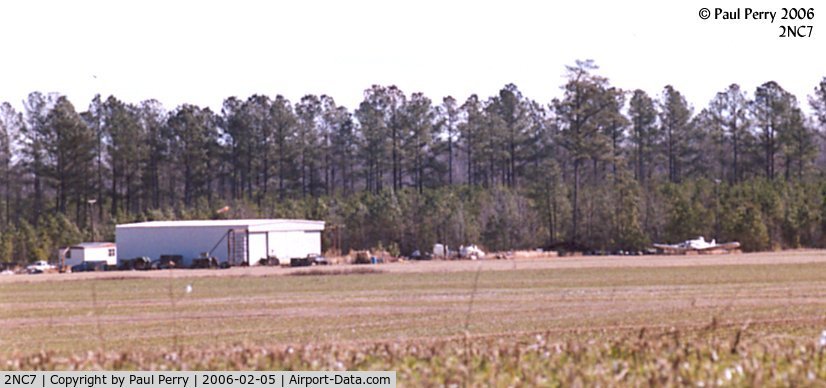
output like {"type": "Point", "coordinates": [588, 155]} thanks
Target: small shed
{"type": "Point", "coordinates": [236, 242]}
{"type": "Point", "coordinates": [91, 252]}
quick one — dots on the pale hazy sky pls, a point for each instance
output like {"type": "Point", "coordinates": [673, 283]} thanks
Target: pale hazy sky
{"type": "Point", "coordinates": [204, 51]}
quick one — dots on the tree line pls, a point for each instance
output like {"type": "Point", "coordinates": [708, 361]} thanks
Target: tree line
{"type": "Point", "coordinates": [597, 168]}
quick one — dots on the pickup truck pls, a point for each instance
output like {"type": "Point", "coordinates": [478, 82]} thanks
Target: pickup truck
{"type": "Point", "coordinates": [40, 267]}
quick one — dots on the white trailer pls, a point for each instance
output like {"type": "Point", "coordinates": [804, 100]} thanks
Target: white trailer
{"type": "Point", "coordinates": [235, 242]}
{"type": "Point", "coordinates": [91, 252]}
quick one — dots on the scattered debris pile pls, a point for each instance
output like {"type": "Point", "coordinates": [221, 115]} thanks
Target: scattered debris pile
{"type": "Point", "coordinates": [378, 257]}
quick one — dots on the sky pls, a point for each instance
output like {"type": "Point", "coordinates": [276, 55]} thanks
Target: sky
{"type": "Point", "coordinates": [202, 52]}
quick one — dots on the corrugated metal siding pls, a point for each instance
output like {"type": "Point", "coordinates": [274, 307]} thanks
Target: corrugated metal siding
{"type": "Point", "coordinates": [282, 238]}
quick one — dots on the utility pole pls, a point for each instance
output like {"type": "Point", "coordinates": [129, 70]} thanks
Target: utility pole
{"type": "Point", "coordinates": [92, 217]}
{"type": "Point", "coordinates": [717, 209]}
{"type": "Point", "coordinates": [334, 233]}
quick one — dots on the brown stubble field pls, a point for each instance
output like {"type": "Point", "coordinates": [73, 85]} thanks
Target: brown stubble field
{"type": "Point", "coordinates": [555, 320]}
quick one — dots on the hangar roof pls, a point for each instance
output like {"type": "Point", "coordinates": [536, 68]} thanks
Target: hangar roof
{"type": "Point", "coordinates": [88, 245]}
{"type": "Point", "coordinates": [250, 224]}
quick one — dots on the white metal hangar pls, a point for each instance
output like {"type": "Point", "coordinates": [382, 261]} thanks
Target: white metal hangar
{"type": "Point", "coordinates": [235, 242]}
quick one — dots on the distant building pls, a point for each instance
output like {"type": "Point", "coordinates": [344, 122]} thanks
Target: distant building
{"type": "Point", "coordinates": [237, 242]}
{"type": "Point", "coordinates": [91, 252]}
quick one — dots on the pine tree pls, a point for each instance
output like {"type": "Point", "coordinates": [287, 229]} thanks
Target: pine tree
{"type": "Point", "coordinates": [614, 126]}
{"type": "Point", "coordinates": [7, 241]}
{"type": "Point", "coordinates": [585, 98]}
{"type": "Point", "coordinates": [675, 116]}
{"type": "Point", "coordinates": [94, 118]}
{"type": "Point", "coordinates": [308, 112]}
{"type": "Point", "coordinates": [153, 122]}
{"type": "Point", "coordinates": [284, 124]}
{"type": "Point", "coordinates": [797, 142]}
{"type": "Point", "coordinates": [237, 135]}
{"type": "Point", "coordinates": [628, 228]}
{"type": "Point", "coordinates": [342, 134]}
{"type": "Point", "coordinates": [71, 149]}
{"type": "Point", "coordinates": [729, 110]}
{"type": "Point", "coordinates": [511, 110]}
{"type": "Point", "coordinates": [448, 121]}
{"type": "Point", "coordinates": [11, 124]}
{"type": "Point", "coordinates": [126, 144]}
{"type": "Point", "coordinates": [644, 134]}
{"type": "Point", "coordinates": [770, 107]}
{"type": "Point", "coordinates": [818, 103]}
{"type": "Point", "coordinates": [418, 117]}
{"type": "Point", "coordinates": [36, 138]}
{"type": "Point", "coordinates": [471, 136]}
{"type": "Point", "coordinates": [747, 226]}
{"type": "Point", "coordinates": [194, 142]}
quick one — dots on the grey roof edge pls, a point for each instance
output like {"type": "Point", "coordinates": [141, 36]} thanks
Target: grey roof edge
{"type": "Point", "coordinates": [84, 245]}
{"type": "Point", "coordinates": [218, 223]}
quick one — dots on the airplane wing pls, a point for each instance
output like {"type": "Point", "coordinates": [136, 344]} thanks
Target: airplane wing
{"type": "Point", "coordinates": [727, 246]}
{"type": "Point", "coordinates": [670, 248]}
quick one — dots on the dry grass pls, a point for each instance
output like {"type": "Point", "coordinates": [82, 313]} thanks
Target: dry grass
{"type": "Point", "coordinates": [440, 266]}
{"type": "Point", "coordinates": [338, 270]}
{"type": "Point", "coordinates": [708, 357]}
{"type": "Point", "coordinates": [609, 324]}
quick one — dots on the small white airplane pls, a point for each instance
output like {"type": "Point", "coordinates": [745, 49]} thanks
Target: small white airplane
{"type": "Point", "coordinates": [698, 245]}
{"type": "Point", "coordinates": [471, 252]}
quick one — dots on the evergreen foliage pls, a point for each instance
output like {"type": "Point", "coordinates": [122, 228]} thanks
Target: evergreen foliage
{"type": "Point", "coordinates": [598, 168]}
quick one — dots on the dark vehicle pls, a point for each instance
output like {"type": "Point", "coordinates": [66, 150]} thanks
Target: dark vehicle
{"type": "Point", "coordinates": [417, 255]}
{"type": "Point", "coordinates": [170, 261]}
{"type": "Point", "coordinates": [139, 263]}
{"type": "Point", "coordinates": [205, 262]}
{"type": "Point", "coordinates": [272, 261]}
{"type": "Point", "coordinates": [90, 266]}
{"type": "Point", "coordinates": [308, 261]}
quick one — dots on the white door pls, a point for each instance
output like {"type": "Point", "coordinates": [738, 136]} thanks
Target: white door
{"type": "Point", "coordinates": [257, 247]}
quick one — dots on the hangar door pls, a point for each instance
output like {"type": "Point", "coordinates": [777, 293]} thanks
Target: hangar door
{"type": "Point", "coordinates": [237, 247]}
{"type": "Point", "coordinates": [257, 247]}
{"type": "Point", "coordinates": [293, 244]}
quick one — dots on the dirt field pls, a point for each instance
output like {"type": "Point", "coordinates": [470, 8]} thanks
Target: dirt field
{"type": "Point", "coordinates": [769, 299]}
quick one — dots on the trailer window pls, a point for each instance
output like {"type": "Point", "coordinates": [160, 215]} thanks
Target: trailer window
{"type": "Point", "coordinates": [111, 253]}
{"type": "Point", "coordinates": [68, 253]}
